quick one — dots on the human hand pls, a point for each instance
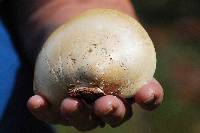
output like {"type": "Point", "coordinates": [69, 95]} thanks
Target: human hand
{"type": "Point", "coordinates": [107, 109]}
{"type": "Point", "coordinates": [34, 23]}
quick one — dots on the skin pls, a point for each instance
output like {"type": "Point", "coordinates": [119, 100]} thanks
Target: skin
{"type": "Point", "coordinates": [44, 17]}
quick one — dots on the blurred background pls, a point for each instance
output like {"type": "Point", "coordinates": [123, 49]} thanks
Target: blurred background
{"type": "Point", "coordinates": [174, 26]}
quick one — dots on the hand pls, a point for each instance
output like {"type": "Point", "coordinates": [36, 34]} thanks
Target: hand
{"type": "Point", "coordinates": [107, 109]}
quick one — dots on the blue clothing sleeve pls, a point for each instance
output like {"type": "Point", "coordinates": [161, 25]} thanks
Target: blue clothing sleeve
{"type": "Point", "coordinates": [9, 63]}
{"type": "Point", "coordinates": [15, 89]}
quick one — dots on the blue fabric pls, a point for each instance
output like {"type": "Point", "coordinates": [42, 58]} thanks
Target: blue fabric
{"type": "Point", "coordinates": [15, 89]}
{"type": "Point", "coordinates": [9, 63]}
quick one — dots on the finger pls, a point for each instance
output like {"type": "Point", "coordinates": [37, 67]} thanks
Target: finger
{"type": "Point", "coordinates": [112, 110]}
{"type": "Point", "coordinates": [79, 114]}
{"type": "Point", "coordinates": [39, 107]}
{"type": "Point", "coordinates": [150, 95]}
{"type": "Point", "coordinates": [36, 103]}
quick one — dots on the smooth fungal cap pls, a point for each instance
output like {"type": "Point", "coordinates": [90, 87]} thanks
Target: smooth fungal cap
{"type": "Point", "coordinates": [101, 48]}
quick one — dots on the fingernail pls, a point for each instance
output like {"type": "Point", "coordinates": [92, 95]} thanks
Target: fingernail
{"type": "Point", "coordinates": [110, 109]}
{"type": "Point", "coordinates": [70, 108]}
{"type": "Point", "coordinates": [110, 117]}
{"type": "Point", "coordinates": [149, 99]}
{"type": "Point", "coordinates": [36, 105]}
